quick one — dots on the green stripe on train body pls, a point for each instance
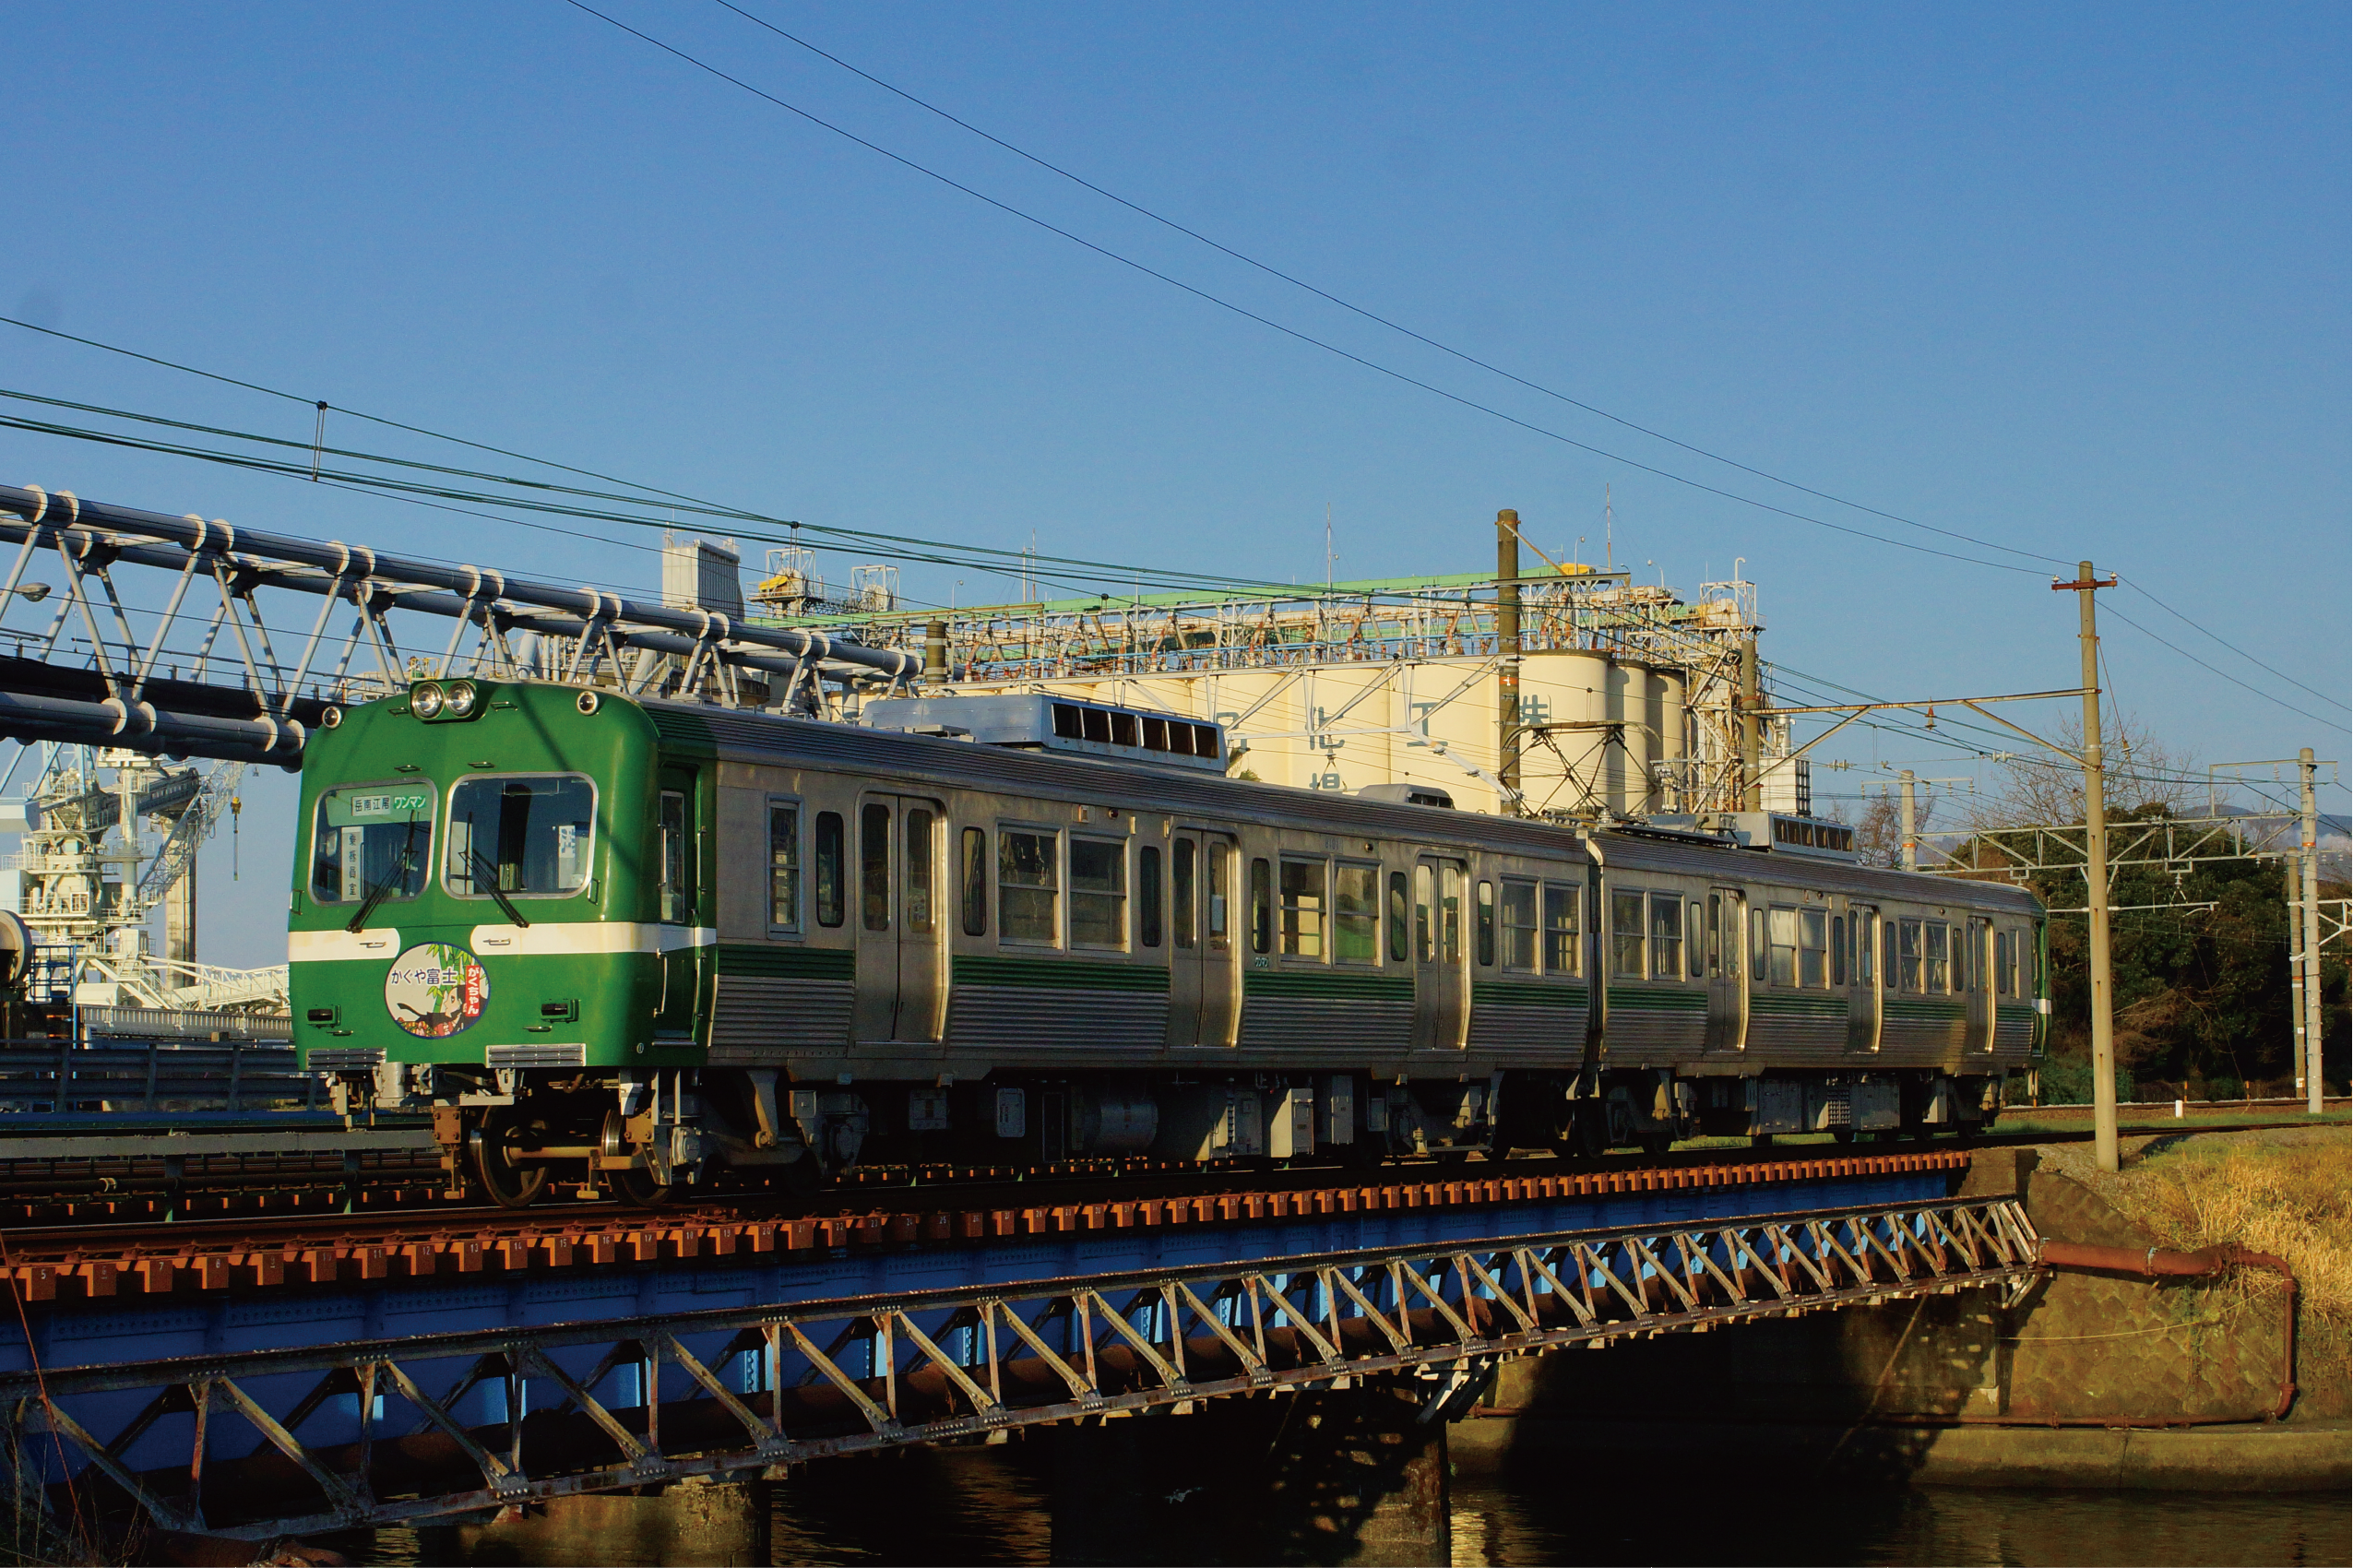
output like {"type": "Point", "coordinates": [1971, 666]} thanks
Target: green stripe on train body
{"type": "Point", "coordinates": [1526, 994]}
{"type": "Point", "coordinates": [1073, 974]}
{"type": "Point", "coordinates": [1276, 985]}
{"type": "Point", "coordinates": [346, 1002]}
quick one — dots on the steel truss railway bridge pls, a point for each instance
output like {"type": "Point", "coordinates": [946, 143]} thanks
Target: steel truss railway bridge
{"type": "Point", "coordinates": [208, 1405]}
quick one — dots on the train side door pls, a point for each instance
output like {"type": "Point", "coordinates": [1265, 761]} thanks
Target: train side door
{"type": "Point", "coordinates": [1863, 989]}
{"type": "Point", "coordinates": [1727, 995]}
{"type": "Point", "coordinates": [1204, 962]}
{"type": "Point", "coordinates": [685, 959]}
{"type": "Point", "coordinates": [1980, 983]}
{"type": "Point", "coordinates": [902, 990]}
{"type": "Point", "coordinates": [1441, 997]}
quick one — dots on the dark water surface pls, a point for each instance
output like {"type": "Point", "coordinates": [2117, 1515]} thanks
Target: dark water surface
{"type": "Point", "coordinates": [991, 1505]}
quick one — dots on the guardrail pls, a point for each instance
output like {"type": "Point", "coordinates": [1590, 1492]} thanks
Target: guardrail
{"type": "Point", "coordinates": [60, 1078]}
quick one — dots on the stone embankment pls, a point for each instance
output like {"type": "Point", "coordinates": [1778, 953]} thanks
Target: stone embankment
{"type": "Point", "coordinates": [2102, 1378]}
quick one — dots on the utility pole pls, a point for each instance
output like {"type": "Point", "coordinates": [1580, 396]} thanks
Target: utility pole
{"type": "Point", "coordinates": [2296, 970]}
{"type": "Point", "coordinates": [1910, 820]}
{"type": "Point", "coordinates": [2096, 873]}
{"type": "Point", "coordinates": [2312, 923]}
{"type": "Point", "coordinates": [1507, 648]}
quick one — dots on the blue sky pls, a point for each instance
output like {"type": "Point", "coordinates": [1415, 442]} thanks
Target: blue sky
{"type": "Point", "coordinates": [2070, 279]}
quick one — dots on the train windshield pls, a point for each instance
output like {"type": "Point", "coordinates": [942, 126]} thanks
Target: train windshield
{"type": "Point", "coordinates": [528, 835]}
{"type": "Point", "coordinates": [372, 841]}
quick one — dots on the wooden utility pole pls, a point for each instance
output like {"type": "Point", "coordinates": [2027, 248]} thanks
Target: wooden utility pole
{"type": "Point", "coordinates": [2096, 874]}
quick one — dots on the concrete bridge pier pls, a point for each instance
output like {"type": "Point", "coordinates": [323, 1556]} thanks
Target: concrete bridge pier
{"type": "Point", "coordinates": [1332, 1477]}
{"type": "Point", "coordinates": [722, 1523]}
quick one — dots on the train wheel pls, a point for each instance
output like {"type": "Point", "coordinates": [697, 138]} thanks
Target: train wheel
{"type": "Point", "coordinates": [494, 1142]}
{"type": "Point", "coordinates": [638, 1189]}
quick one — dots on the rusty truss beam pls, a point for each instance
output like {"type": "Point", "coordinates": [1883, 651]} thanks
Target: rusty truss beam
{"type": "Point", "coordinates": [261, 1445]}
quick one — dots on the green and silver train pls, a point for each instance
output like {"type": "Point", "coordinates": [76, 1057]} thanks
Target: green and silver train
{"type": "Point", "coordinates": [631, 943]}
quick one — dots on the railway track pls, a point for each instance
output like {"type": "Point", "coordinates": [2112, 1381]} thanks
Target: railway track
{"type": "Point", "coordinates": [91, 1263]}
{"type": "Point", "coordinates": [177, 1176]}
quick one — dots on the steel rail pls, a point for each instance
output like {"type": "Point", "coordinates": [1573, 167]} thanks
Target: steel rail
{"type": "Point", "coordinates": [649, 1399]}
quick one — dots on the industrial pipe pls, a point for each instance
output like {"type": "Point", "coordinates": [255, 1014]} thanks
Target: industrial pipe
{"type": "Point", "coordinates": [358, 561]}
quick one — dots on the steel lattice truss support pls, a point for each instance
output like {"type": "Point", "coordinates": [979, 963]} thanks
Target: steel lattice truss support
{"type": "Point", "coordinates": [2176, 845]}
{"type": "Point", "coordinates": [204, 677]}
{"type": "Point", "coordinates": [267, 1444]}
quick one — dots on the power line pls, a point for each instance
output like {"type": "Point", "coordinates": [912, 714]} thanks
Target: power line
{"type": "Point", "coordinates": [1291, 332]}
{"type": "Point", "coordinates": [1354, 309]}
{"type": "Point", "coordinates": [2234, 680]}
{"type": "Point", "coordinates": [2216, 637]}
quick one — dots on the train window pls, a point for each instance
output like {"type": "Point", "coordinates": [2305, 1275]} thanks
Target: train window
{"type": "Point", "coordinates": [1124, 729]}
{"type": "Point", "coordinates": [399, 820]}
{"type": "Point", "coordinates": [372, 837]}
{"type": "Point", "coordinates": [2002, 985]}
{"type": "Point", "coordinates": [1068, 725]}
{"type": "Point", "coordinates": [874, 866]}
{"type": "Point", "coordinates": [1814, 948]}
{"type": "Point", "coordinates": [1181, 738]}
{"type": "Point", "coordinates": [1696, 933]}
{"type": "Point", "coordinates": [1625, 935]}
{"type": "Point", "coordinates": [1486, 933]}
{"type": "Point", "coordinates": [1563, 954]}
{"type": "Point", "coordinates": [784, 867]}
{"type": "Point", "coordinates": [1098, 725]}
{"type": "Point", "coordinates": [975, 882]}
{"type": "Point", "coordinates": [673, 858]}
{"type": "Point", "coordinates": [1205, 740]}
{"type": "Point", "coordinates": [1907, 957]}
{"type": "Point", "coordinates": [1756, 944]}
{"type": "Point", "coordinates": [1401, 938]}
{"type": "Point", "coordinates": [1424, 943]}
{"type": "Point", "coordinates": [1147, 895]}
{"type": "Point", "coordinates": [1027, 882]}
{"type": "Point", "coordinates": [1936, 962]}
{"type": "Point", "coordinates": [921, 878]}
{"type": "Point", "coordinates": [1304, 908]}
{"type": "Point", "coordinates": [1262, 907]}
{"type": "Point", "coordinates": [1865, 945]}
{"type": "Point", "coordinates": [1156, 734]}
{"type": "Point", "coordinates": [1356, 913]}
{"type": "Point", "coordinates": [2036, 953]}
{"type": "Point", "coordinates": [1181, 885]}
{"type": "Point", "coordinates": [1450, 911]}
{"type": "Point", "coordinates": [832, 895]}
{"type": "Point", "coordinates": [1667, 936]}
{"type": "Point", "coordinates": [527, 836]}
{"type": "Point", "coordinates": [1781, 945]}
{"type": "Point", "coordinates": [1519, 925]}
{"type": "Point", "coordinates": [1838, 950]}
{"type": "Point", "coordinates": [1220, 880]}
{"type": "Point", "coordinates": [1098, 892]}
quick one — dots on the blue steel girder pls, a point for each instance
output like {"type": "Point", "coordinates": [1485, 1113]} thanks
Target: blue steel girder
{"type": "Point", "coordinates": [350, 1435]}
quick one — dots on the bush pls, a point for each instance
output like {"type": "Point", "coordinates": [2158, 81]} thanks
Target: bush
{"type": "Point", "coordinates": [2067, 1080]}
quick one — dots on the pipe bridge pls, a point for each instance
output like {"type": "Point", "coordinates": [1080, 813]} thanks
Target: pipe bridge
{"type": "Point", "coordinates": [384, 1430]}
{"type": "Point", "coordinates": [200, 673]}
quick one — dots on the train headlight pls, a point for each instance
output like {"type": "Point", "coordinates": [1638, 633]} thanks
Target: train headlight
{"type": "Point", "coordinates": [462, 698]}
{"type": "Point", "coordinates": [426, 700]}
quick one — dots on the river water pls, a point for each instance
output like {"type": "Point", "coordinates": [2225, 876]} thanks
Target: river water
{"type": "Point", "coordinates": [991, 1505]}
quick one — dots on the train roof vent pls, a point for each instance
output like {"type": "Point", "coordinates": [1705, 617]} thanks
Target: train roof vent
{"type": "Point", "coordinates": [1408, 795]}
{"type": "Point", "coordinates": [1041, 722]}
{"type": "Point", "coordinates": [1817, 836]}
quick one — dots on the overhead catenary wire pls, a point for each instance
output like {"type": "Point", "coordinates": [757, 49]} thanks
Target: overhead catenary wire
{"type": "Point", "coordinates": [1293, 332]}
{"type": "Point", "coordinates": [1372, 316]}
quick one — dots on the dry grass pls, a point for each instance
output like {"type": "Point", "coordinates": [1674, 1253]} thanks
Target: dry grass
{"type": "Point", "coordinates": [2289, 1194]}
